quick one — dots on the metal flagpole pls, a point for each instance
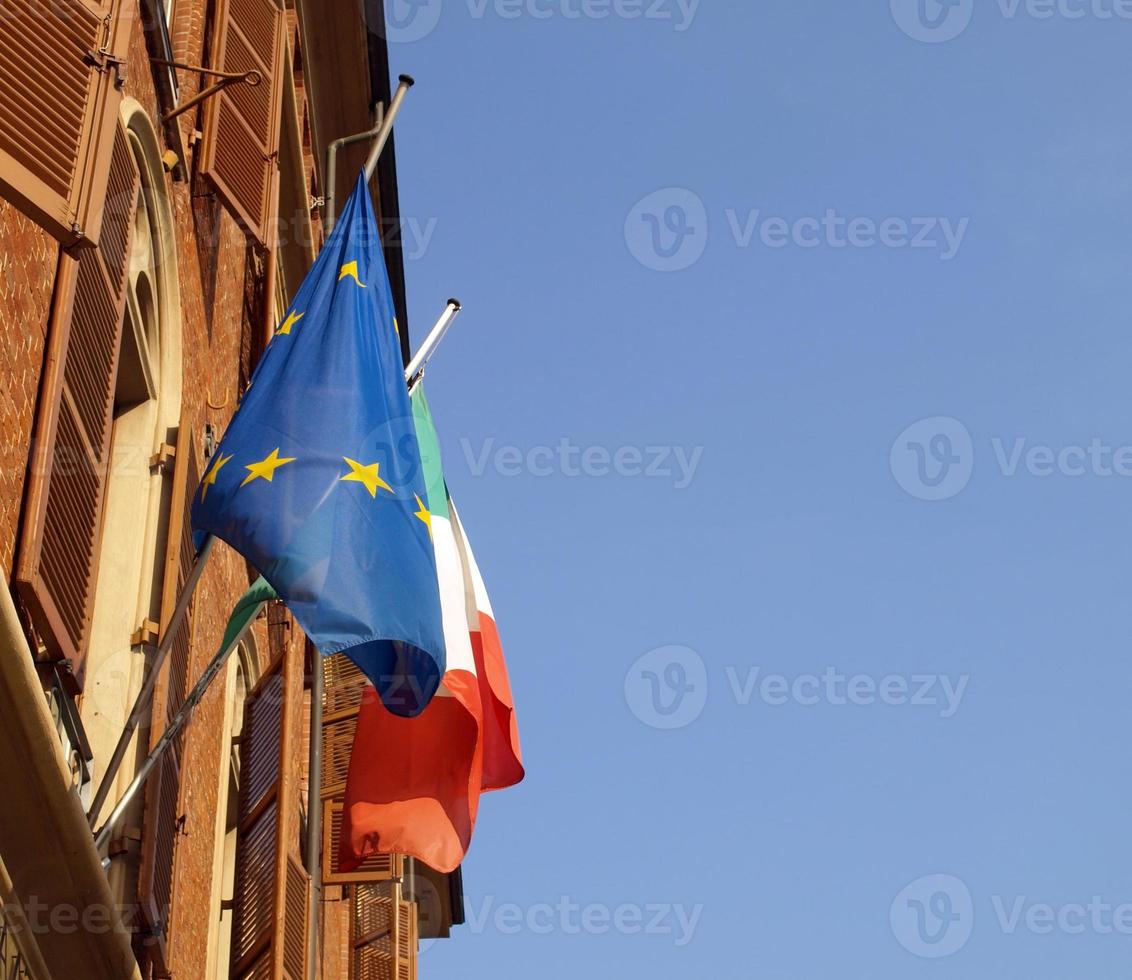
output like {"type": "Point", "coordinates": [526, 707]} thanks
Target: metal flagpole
{"type": "Point", "coordinates": [175, 725]}
{"type": "Point", "coordinates": [404, 83]}
{"type": "Point", "coordinates": [431, 342]}
{"type": "Point", "coordinates": [314, 814]}
{"type": "Point", "coordinates": [141, 703]}
{"type": "Point", "coordinates": [380, 136]}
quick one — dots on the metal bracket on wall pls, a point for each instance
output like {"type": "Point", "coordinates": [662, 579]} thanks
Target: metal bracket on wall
{"type": "Point", "coordinates": [161, 459]}
{"type": "Point", "coordinates": [123, 844]}
{"type": "Point", "coordinates": [103, 60]}
{"type": "Point", "coordinates": [227, 78]}
{"type": "Point", "coordinates": [146, 634]}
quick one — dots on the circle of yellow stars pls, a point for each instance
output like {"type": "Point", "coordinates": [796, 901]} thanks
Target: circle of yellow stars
{"type": "Point", "coordinates": [367, 474]}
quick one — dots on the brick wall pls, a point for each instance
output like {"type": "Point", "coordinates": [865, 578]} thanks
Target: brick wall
{"type": "Point", "coordinates": [28, 263]}
{"type": "Point", "coordinates": [218, 273]}
{"type": "Point", "coordinates": [218, 324]}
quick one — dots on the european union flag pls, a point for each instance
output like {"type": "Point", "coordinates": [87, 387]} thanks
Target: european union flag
{"type": "Point", "coordinates": [318, 481]}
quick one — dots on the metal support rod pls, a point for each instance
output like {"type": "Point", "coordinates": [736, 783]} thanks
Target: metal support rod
{"type": "Point", "coordinates": [314, 814]}
{"type": "Point", "coordinates": [175, 725]}
{"type": "Point", "coordinates": [405, 82]}
{"type": "Point", "coordinates": [252, 77]}
{"type": "Point", "coordinates": [330, 201]}
{"type": "Point", "coordinates": [141, 703]}
{"type": "Point", "coordinates": [421, 358]}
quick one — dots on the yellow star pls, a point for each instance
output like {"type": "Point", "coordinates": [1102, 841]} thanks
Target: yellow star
{"type": "Point", "coordinates": [424, 515]}
{"type": "Point", "coordinates": [368, 476]}
{"type": "Point", "coordinates": [210, 479]}
{"type": "Point", "coordinates": [265, 468]}
{"type": "Point", "coordinates": [396, 329]}
{"type": "Point", "coordinates": [286, 325]}
{"type": "Point", "coordinates": [351, 269]}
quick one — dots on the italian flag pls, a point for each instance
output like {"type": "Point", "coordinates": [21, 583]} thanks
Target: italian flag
{"type": "Point", "coordinates": [414, 783]}
{"type": "Point", "coordinates": [502, 757]}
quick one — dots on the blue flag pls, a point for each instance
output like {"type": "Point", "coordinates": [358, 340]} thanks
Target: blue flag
{"type": "Point", "coordinates": [318, 480]}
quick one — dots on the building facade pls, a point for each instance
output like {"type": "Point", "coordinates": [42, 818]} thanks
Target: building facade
{"type": "Point", "coordinates": [162, 175]}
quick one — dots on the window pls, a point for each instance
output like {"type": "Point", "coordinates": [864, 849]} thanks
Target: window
{"type": "Point", "coordinates": [137, 523]}
{"type": "Point", "coordinates": [240, 678]}
{"type": "Point", "coordinates": [146, 413]}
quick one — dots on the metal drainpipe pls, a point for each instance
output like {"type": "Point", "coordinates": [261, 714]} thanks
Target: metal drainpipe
{"type": "Point", "coordinates": [329, 210]}
{"type": "Point", "coordinates": [379, 135]}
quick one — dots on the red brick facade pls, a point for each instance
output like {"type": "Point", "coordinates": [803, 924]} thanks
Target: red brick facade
{"type": "Point", "coordinates": [224, 278]}
{"type": "Point", "coordinates": [221, 331]}
{"type": "Point", "coordinates": [28, 262]}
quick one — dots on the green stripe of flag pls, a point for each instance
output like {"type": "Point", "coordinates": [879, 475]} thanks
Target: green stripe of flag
{"type": "Point", "coordinates": [430, 455]}
{"type": "Point", "coordinates": [246, 610]}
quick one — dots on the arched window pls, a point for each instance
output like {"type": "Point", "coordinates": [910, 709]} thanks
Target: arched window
{"type": "Point", "coordinates": [147, 406]}
{"type": "Point", "coordinates": [240, 678]}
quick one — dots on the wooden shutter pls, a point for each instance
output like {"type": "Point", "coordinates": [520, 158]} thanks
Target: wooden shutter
{"type": "Point", "coordinates": [269, 932]}
{"type": "Point", "coordinates": [163, 792]}
{"type": "Point", "coordinates": [57, 568]}
{"type": "Point", "coordinates": [384, 934]}
{"type": "Point", "coordinates": [59, 98]}
{"type": "Point", "coordinates": [343, 686]}
{"type": "Point", "coordinates": [243, 122]}
{"type": "Point", "coordinates": [378, 867]}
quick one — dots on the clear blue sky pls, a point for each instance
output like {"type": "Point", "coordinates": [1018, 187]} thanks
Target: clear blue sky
{"type": "Point", "coordinates": [802, 541]}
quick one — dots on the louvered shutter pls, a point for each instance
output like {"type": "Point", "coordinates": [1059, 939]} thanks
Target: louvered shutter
{"type": "Point", "coordinates": [57, 568]}
{"type": "Point", "coordinates": [59, 98]}
{"type": "Point", "coordinates": [272, 888]}
{"type": "Point", "coordinates": [343, 684]}
{"type": "Point", "coordinates": [163, 792]}
{"type": "Point", "coordinates": [376, 868]}
{"type": "Point", "coordinates": [243, 122]}
{"type": "Point", "coordinates": [384, 934]}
